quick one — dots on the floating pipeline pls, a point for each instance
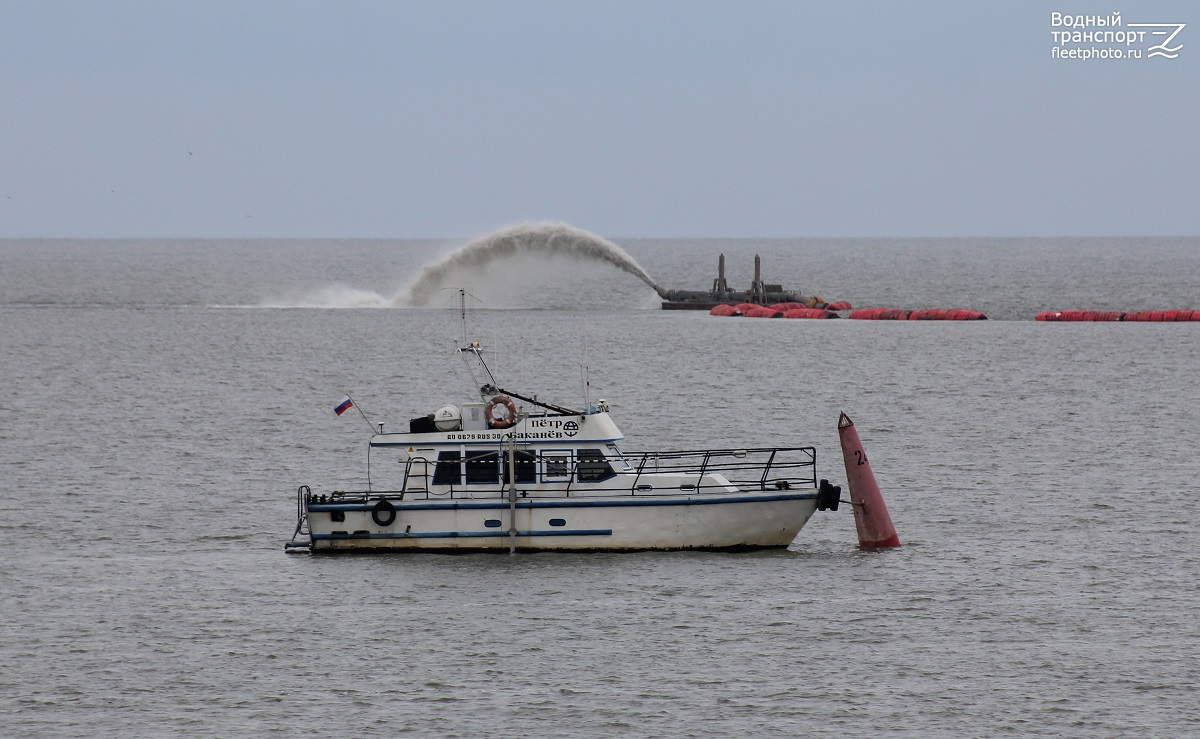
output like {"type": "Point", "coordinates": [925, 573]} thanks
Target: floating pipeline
{"type": "Point", "coordinates": [946, 315]}
{"type": "Point", "coordinates": [799, 310]}
{"type": "Point", "coordinates": [813, 313]}
{"type": "Point", "coordinates": [1149, 316]}
{"type": "Point", "coordinates": [892, 314]}
{"type": "Point", "coordinates": [1163, 316]}
{"type": "Point", "coordinates": [889, 314]}
{"type": "Point", "coordinates": [751, 310]}
{"type": "Point", "coordinates": [1073, 316]}
{"type": "Point", "coordinates": [880, 314]}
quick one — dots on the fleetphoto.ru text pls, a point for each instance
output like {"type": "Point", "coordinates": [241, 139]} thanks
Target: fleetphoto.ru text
{"type": "Point", "coordinates": [1087, 37]}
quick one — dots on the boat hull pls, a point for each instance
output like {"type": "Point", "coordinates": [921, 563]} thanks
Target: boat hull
{"type": "Point", "coordinates": [626, 523]}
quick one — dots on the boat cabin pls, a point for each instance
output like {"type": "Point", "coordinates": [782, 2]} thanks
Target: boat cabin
{"type": "Point", "coordinates": [462, 453]}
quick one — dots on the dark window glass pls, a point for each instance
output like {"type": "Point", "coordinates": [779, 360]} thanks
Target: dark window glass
{"type": "Point", "coordinates": [526, 464]}
{"type": "Point", "coordinates": [483, 467]}
{"type": "Point", "coordinates": [558, 522]}
{"type": "Point", "coordinates": [557, 466]}
{"type": "Point", "coordinates": [593, 467]}
{"type": "Point", "coordinates": [447, 471]}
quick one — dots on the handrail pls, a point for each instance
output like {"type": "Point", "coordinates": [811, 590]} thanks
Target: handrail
{"type": "Point", "coordinates": [641, 466]}
{"type": "Point", "coordinates": [707, 456]}
{"type": "Point", "coordinates": [303, 493]}
{"type": "Point", "coordinates": [767, 469]}
{"type": "Point", "coordinates": [745, 469]}
{"type": "Point", "coordinates": [408, 468]}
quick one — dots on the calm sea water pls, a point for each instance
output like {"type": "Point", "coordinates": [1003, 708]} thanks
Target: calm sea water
{"type": "Point", "coordinates": [161, 401]}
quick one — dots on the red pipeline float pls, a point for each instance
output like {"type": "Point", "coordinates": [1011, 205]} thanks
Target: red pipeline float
{"type": "Point", "coordinates": [1148, 316]}
{"type": "Point", "coordinates": [892, 314]}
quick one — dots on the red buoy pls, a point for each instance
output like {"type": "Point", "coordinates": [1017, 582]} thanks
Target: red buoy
{"type": "Point", "coordinates": [871, 517]}
{"type": "Point", "coordinates": [724, 310]}
{"type": "Point", "coordinates": [819, 313]}
{"type": "Point", "coordinates": [785, 307]}
{"type": "Point", "coordinates": [840, 305]}
{"type": "Point", "coordinates": [745, 308]}
{"type": "Point", "coordinates": [761, 311]}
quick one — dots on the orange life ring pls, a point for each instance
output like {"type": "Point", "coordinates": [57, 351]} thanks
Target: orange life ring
{"type": "Point", "coordinates": [501, 412]}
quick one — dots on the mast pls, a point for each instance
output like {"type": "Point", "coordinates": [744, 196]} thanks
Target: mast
{"type": "Point", "coordinates": [512, 493]}
{"type": "Point", "coordinates": [462, 313]}
{"type": "Point", "coordinates": [756, 288]}
{"type": "Point", "coordinates": [719, 284]}
{"type": "Point", "coordinates": [472, 347]}
{"type": "Point", "coordinates": [488, 387]}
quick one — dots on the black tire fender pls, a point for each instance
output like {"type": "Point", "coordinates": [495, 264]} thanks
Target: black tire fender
{"type": "Point", "coordinates": [383, 513]}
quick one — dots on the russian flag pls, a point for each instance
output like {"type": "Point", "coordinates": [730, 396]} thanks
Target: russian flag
{"type": "Point", "coordinates": [343, 406]}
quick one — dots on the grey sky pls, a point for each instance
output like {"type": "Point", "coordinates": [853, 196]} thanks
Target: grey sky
{"type": "Point", "coordinates": [667, 118]}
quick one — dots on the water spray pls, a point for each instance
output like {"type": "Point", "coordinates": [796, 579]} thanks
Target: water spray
{"type": "Point", "coordinates": [541, 238]}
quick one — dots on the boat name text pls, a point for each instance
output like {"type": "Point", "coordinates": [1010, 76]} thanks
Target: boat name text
{"type": "Point", "coordinates": [570, 428]}
{"type": "Point", "coordinates": [496, 435]}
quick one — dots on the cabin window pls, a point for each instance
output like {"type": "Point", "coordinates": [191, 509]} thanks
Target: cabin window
{"type": "Point", "coordinates": [448, 470]}
{"type": "Point", "coordinates": [556, 466]}
{"type": "Point", "coordinates": [526, 464]}
{"type": "Point", "coordinates": [483, 468]}
{"type": "Point", "coordinates": [593, 467]}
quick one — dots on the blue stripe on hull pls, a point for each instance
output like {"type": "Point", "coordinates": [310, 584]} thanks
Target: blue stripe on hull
{"type": "Point", "coordinates": [563, 503]}
{"type": "Point", "coordinates": [463, 534]}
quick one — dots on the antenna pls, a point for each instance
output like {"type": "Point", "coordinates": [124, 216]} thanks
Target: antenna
{"type": "Point", "coordinates": [587, 378]}
{"type": "Point", "coordinates": [462, 313]}
{"type": "Point", "coordinates": [587, 387]}
{"type": "Point", "coordinates": [490, 387]}
{"type": "Point", "coordinates": [472, 347]}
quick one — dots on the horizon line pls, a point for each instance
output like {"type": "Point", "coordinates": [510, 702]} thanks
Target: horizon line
{"type": "Point", "coordinates": [625, 237]}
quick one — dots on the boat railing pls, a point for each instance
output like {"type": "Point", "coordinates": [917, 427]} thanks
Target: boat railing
{"type": "Point", "coordinates": [643, 473]}
{"type": "Point", "coordinates": [763, 469]}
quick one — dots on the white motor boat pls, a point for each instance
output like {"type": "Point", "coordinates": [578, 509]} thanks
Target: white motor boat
{"type": "Point", "coordinates": [507, 472]}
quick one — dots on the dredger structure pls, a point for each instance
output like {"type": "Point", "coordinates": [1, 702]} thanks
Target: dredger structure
{"type": "Point", "coordinates": [760, 293]}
